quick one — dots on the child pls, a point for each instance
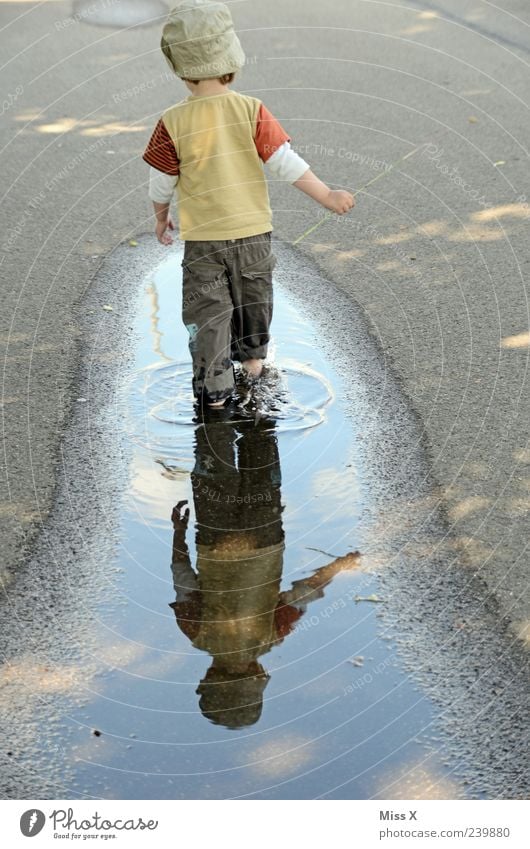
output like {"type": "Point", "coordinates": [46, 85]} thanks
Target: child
{"type": "Point", "coordinates": [211, 147]}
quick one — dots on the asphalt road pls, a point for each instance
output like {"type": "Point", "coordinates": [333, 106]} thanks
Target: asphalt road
{"type": "Point", "coordinates": [435, 254]}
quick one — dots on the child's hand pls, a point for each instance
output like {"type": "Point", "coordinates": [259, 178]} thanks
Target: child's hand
{"type": "Point", "coordinates": [161, 227]}
{"type": "Point", "coordinates": [180, 519]}
{"type": "Point", "coordinates": [339, 201]}
{"type": "Point", "coordinates": [351, 560]}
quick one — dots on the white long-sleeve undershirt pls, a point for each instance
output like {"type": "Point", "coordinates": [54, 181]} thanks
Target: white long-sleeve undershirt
{"type": "Point", "coordinates": [284, 164]}
{"type": "Point", "coordinates": [161, 186]}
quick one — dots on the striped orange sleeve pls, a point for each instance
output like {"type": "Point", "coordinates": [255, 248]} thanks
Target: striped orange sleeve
{"type": "Point", "coordinates": [269, 135]}
{"type": "Point", "coordinates": [160, 151]}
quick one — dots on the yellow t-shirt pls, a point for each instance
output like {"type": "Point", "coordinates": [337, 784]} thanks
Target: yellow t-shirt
{"type": "Point", "coordinates": [240, 592]}
{"type": "Point", "coordinates": [216, 144]}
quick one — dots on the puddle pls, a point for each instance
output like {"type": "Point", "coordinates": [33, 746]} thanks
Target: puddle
{"type": "Point", "coordinates": [238, 651]}
{"type": "Point", "coordinates": [244, 682]}
{"type": "Point", "coordinates": [119, 13]}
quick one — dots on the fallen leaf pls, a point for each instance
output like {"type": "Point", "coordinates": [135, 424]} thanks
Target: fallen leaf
{"type": "Point", "coordinates": [472, 119]}
{"type": "Point", "coordinates": [108, 307]}
{"type": "Point", "coordinates": [133, 243]}
{"type": "Point", "coordinates": [373, 598]}
{"type": "Point", "coordinates": [499, 162]}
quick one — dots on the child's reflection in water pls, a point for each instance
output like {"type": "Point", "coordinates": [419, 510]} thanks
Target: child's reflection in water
{"type": "Point", "coordinates": [231, 606]}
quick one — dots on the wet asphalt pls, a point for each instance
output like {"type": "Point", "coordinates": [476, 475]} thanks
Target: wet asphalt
{"type": "Point", "coordinates": [433, 259]}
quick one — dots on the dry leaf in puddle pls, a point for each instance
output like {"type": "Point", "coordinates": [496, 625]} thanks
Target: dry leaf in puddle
{"type": "Point", "coordinates": [373, 598]}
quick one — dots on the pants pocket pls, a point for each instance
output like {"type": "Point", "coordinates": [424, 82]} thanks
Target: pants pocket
{"type": "Point", "coordinates": [260, 268]}
{"type": "Point", "coordinates": [204, 288]}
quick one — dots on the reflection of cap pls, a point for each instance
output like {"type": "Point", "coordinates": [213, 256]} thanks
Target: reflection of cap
{"type": "Point", "coordinates": [233, 699]}
{"type": "Point", "coordinates": [199, 42]}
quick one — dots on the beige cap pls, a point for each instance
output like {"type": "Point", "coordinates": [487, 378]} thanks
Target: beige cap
{"type": "Point", "coordinates": [199, 42]}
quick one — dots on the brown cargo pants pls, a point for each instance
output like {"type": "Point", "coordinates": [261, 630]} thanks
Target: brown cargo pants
{"type": "Point", "coordinates": [226, 307]}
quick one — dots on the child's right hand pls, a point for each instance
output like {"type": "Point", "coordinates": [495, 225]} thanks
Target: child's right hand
{"type": "Point", "coordinates": [339, 201]}
{"type": "Point", "coordinates": [351, 560]}
{"type": "Point", "coordinates": [161, 231]}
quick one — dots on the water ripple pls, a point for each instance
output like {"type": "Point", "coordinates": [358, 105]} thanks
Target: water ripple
{"type": "Point", "coordinates": [158, 400]}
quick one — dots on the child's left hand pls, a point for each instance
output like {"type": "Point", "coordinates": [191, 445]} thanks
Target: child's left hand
{"type": "Point", "coordinates": [161, 231]}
